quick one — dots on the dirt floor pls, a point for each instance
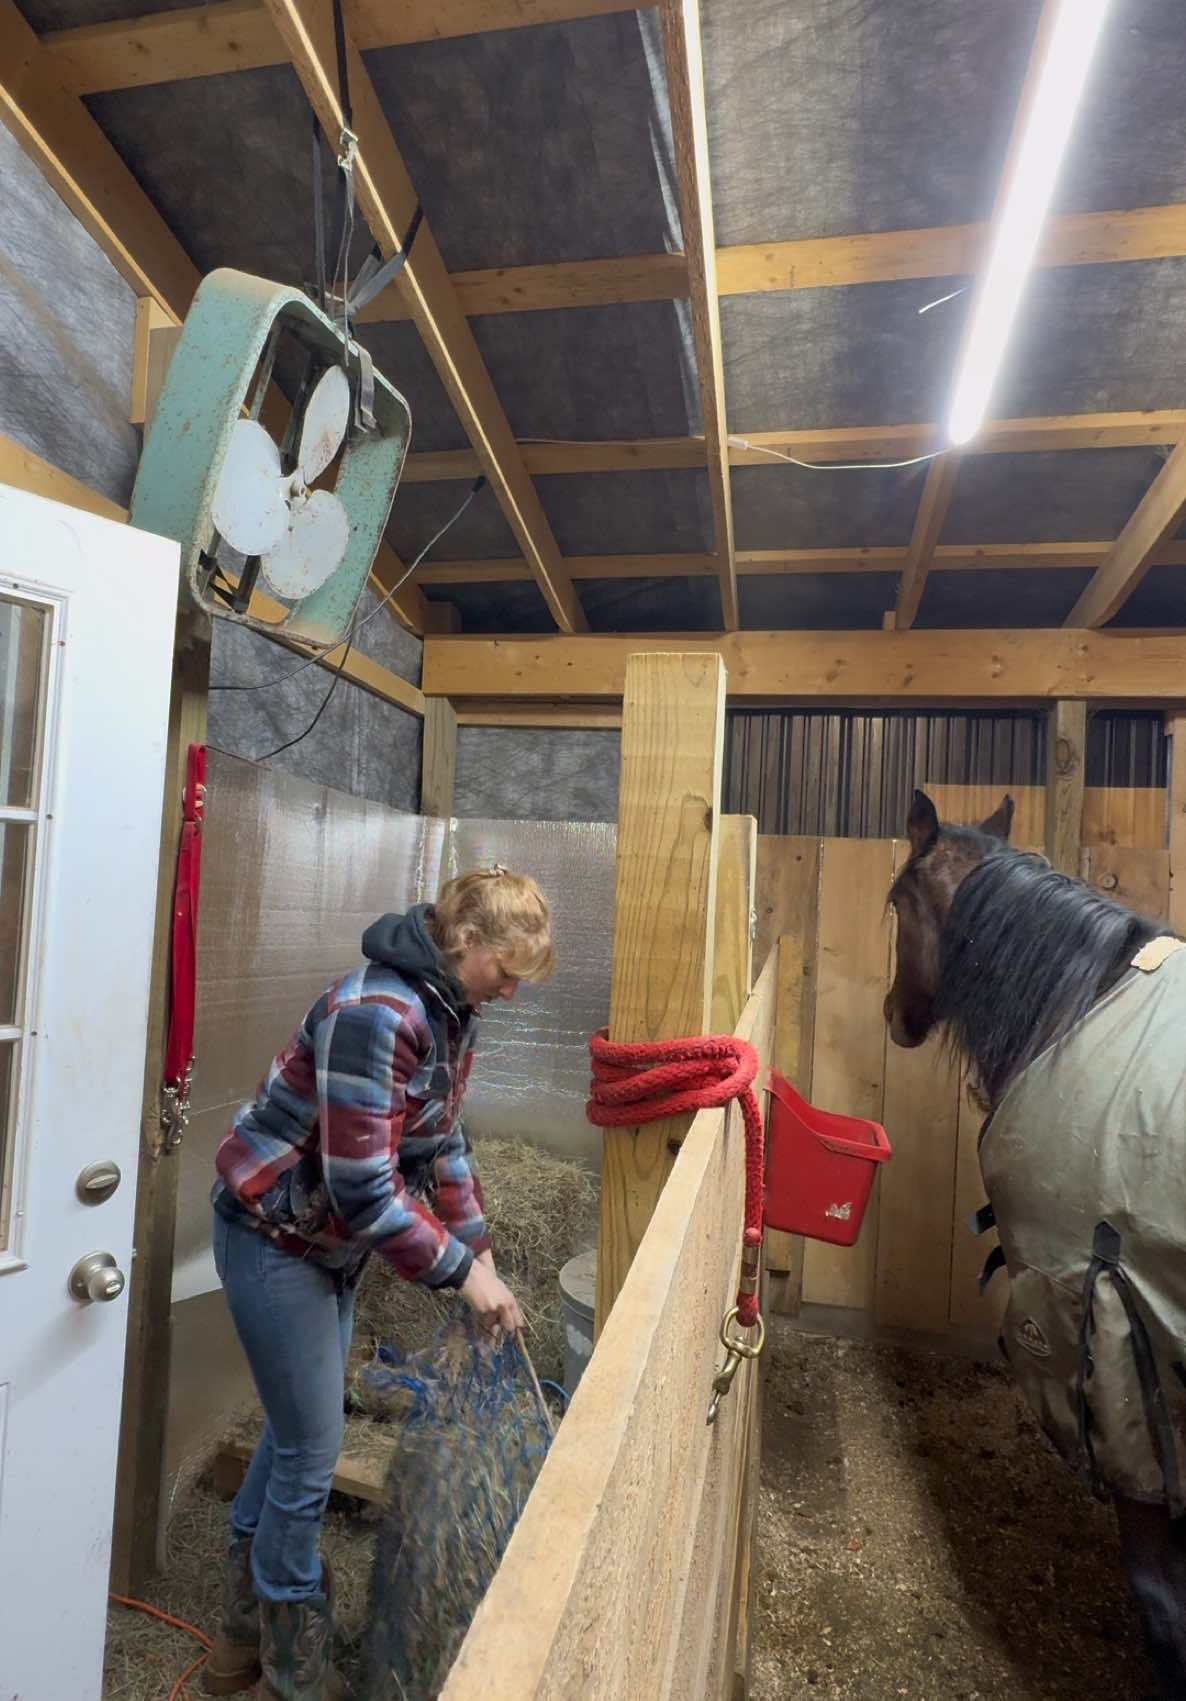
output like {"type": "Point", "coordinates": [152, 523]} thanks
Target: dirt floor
{"type": "Point", "coordinates": [918, 1536]}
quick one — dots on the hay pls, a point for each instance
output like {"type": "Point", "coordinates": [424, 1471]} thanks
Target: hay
{"type": "Point", "coordinates": [462, 1465]}
{"type": "Point", "coordinates": [541, 1210]}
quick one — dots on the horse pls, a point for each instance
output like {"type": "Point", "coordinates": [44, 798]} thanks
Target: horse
{"type": "Point", "coordinates": [1069, 1010]}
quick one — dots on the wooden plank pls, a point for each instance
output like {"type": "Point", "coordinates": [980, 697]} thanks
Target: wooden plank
{"type": "Point", "coordinates": [788, 920]}
{"type": "Point", "coordinates": [239, 35]}
{"type": "Point", "coordinates": [438, 757]}
{"type": "Point", "coordinates": [928, 523]}
{"type": "Point", "coordinates": [1138, 878]}
{"type": "Point", "coordinates": [388, 201]}
{"type": "Point", "coordinates": [664, 917]}
{"type": "Point", "coordinates": [62, 139]}
{"type": "Point", "coordinates": [361, 1474]}
{"type": "Point", "coordinates": [607, 1585]}
{"type": "Point", "coordinates": [25, 470]}
{"type": "Point", "coordinates": [850, 1037]}
{"type": "Point", "coordinates": [679, 22]}
{"type": "Point", "coordinates": [1157, 518]}
{"type": "Point", "coordinates": [855, 443]}
{"type": "Point", "coordinates": [1077, 239]}
{"type": "Point", "coordinates": [949, 558]}
{"type": "Point", "coordinates": [138, 1529]}
{"type": "Point", "coordinates": [733, 946]}
{"type": "Point", "coordinates": [1177, 823]}
{"type": "Point", "coordinates": [540, 715]}
{"type": "Point", "coordinates": [914, 1233]}
{"type": "Point", "coordinates": [967, 806]}
{"type": "Point", "coordinates": [1019, 666]}
{"type": "Point", "coordinates": [971, 1309]}
{"type": "Point", "coordinates": [1125, 815]}
{"type": "Point", "coordinates": [1066, 750]}
{"type": "Point", "coordinates": [155, 338]}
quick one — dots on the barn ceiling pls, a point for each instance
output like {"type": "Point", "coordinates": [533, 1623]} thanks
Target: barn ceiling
{"type": "Point", "coordinates": [634, 400]}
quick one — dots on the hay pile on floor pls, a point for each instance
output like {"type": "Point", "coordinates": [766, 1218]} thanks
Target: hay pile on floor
{"type": "Point", "coordinates": [541, 1211]}
{"type": "Point", "coordinates": [462, 1464]}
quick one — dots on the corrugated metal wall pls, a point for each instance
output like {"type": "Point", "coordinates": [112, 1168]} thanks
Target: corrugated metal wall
{"type": "Point", "coordinates": [850, 775]}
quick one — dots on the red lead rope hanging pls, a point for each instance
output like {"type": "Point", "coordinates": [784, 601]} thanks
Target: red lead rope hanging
{"type": "Point", "coordinates": [179, 1047]}
{"type": "Point", "coordinates": [645, 1083]}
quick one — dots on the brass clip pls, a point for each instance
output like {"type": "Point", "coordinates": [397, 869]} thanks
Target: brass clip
{"type": "Point", "coordinates": [735, 1351]}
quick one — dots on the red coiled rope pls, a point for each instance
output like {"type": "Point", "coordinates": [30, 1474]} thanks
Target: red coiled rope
{"type": "Point", "coordinates": [645, 1083]}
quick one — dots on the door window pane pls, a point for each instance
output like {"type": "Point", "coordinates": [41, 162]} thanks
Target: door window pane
{"type": "Point", "coordinates": [22, 645]}
{"type": "Point", "coordinates": [14, 860]}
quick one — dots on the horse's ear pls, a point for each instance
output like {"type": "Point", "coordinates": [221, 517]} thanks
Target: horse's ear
{"type": "Point", "coordinates": [999, 822]}
{"type": "Point", "coordinates": [922, 824]}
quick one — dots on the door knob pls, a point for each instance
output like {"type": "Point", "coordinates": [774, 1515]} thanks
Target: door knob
{"type": "Point", "coordinates": [96, 1277]}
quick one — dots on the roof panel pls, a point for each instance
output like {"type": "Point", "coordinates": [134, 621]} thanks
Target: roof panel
{"type": "Point", "coordinates": [1082, 495]}
{"type": "Point", "coordinates": [784, 507]}
{"type": "Point", "coordinates": [481, 532]}
{"type": "Point", "coordinates": [595, 372]}
{"type": "Point", "coordinates": [1159, 600]}
{"type": "Point", "coordinates": [675, 604]}
{"type": "Point", "coordinates": [1001, 597]}
{"type": "Point", "coordinates": [861, 354]}
{"type": "Point", "coordinates": [827, 117]}
{"type": "Point", "coordinates": [518, 606]}
{"type": "Point", "coordinates": [533, 145]}
{"type": "Point", "coordinates": [629, 513]}
{"type": "Point", "coordinates": [822, 602]}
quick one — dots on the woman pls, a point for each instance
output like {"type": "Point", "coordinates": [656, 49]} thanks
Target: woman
{"type": "Point", "coordinates": [352, 1146]}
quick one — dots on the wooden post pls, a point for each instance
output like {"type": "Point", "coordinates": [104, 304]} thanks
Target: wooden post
{"type": "Point", "coordinates": [155, 339]}
{"type": "Point", "coordinates": [733, 939]}
{"type": "Point", "coordinates": [1065, 755]}
{"type": "Point", "coordinates": [438, 759]}
{"type": "Point", "coordinates": [138, 1533]}
{"type": "Point", "coordinates": [1177, 823]}
{"type": "Point", "coordinates": [673, 726]}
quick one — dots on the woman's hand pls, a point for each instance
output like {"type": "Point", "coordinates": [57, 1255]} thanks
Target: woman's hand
{"type": "Point", "coordinates": [489, 1298]}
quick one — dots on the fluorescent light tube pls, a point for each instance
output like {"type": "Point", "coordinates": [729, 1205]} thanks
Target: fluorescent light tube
{"type": "Point", "coordinates": [1036, 163]}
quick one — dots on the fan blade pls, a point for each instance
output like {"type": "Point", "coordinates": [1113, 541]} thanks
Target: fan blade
{"type": "Point", "coordinates": [327, 414]}
{"type": "Point", "coordinates": [310, 550]}
{"type": "Point", "coordinates": [249, 507]}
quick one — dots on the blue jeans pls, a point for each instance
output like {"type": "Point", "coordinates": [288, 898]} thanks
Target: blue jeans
{"type": "Point", "coordinates": [295, 1326]}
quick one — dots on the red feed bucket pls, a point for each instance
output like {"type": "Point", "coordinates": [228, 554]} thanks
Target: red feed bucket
{"type": "Point", "coordinates": [819, 1167]}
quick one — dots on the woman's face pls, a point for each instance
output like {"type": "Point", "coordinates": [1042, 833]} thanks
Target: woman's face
{"type": "Point", "coordinates": [483, 977]}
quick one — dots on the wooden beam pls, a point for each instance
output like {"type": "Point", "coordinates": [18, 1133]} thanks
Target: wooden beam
{"type": "Point", "coordinates": [928, 523]}
{"type": "Point", "coordinates": [1019, 666]}
{"type": "Point", "coordinates": [24, 470]}
{"type": "Point", "coordinates": [673, 729]}
{"type": "Point", "coordinates": [388, 201]}
{"type": "Point", "coordinates": [852, 443]}
{"type": "Point", "coordinates": [680, 24]}
{"type": "Point", "coordinates": [240, 35]}
{"type": "Point", "coordinates": [1177, 823]}
{"type": "Point", "coordinates": [1131, 556]}
{"type": "Point", "coordinates": [1066, 754]}
{"type": "Point", "coordinates": [438, 758]}
{"type": "Point", "coordinates": [138, 1531]}
{"type": "Point", "coordinates": [58, 133]}
{"type": "Point", "coordinates": [944, 251]}
{"type": "Point", "coordinates": [156, 337]}
{"type": "Point", "coordinates": [600, 716]}
{"type": "Point", "coordinates": [948, 558]}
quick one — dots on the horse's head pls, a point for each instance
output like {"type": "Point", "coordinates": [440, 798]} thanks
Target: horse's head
{"type": "Point", "coordinates": [940, 859]}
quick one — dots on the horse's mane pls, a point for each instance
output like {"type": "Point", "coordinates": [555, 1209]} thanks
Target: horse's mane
{"type": "Point", "coordinates": [1025, 952]}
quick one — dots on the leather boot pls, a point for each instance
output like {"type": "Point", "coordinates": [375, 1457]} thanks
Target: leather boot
{"type": "Point", "coordinates": [233, 1661]}
{"type": "Point", "coordinates": [295, 1646]}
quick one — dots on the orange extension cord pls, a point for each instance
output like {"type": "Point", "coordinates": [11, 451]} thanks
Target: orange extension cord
{"type": "Point", "coordinates": [178, 1692]}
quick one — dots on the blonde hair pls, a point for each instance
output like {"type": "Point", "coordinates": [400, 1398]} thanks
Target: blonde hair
{"type": "Point", "coordinates": [507, 912]}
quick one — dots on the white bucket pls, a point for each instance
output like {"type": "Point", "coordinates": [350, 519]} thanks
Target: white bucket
{"type": "Point", "coordinates": [578, 1281]}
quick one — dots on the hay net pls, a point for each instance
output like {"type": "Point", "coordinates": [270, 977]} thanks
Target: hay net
{"type": "Point", "coordinates": [472, 1435]}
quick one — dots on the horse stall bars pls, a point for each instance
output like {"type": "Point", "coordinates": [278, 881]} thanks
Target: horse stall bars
{"type": "Point", "coordinates": [621, 1579]}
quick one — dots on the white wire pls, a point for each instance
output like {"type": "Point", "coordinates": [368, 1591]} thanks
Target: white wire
{"type": "Point", "coordinates": [833, 466]}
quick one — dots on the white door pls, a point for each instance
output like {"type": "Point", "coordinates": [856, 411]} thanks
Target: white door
{"type": "Point", "coordinates": [86, 639]}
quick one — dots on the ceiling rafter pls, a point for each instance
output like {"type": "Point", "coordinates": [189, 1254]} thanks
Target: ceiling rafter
{"type": "Point", "coordinates": [1157, 516]}
{"type": "Point", "coordinates": [241, 35]}
{"type": "Point", "coordinates": [680, 25]}
{"type": "Point", "coordinates": [388, 200]}
{"type": "Point", "coordinates": [941, 476]}
{"type": "Point", "coordinates": [837, 443]}
{"type": "Point", "coordinates": [751, 563]}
